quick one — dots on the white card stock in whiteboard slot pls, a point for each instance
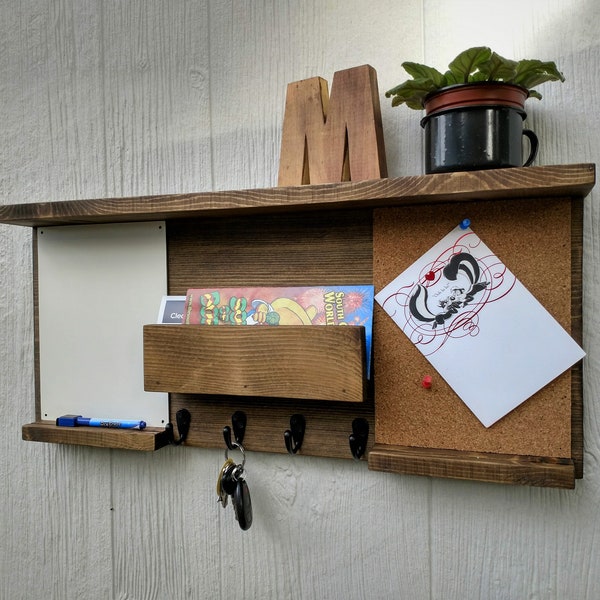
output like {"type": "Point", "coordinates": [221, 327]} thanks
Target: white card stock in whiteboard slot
{"type": "Point", "coordinates": [98, 286]}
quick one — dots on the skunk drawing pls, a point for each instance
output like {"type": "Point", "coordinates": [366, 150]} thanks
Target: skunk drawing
{"type": "Point", "coordinates": [462, 264]}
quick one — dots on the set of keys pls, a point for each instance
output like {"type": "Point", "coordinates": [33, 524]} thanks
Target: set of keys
{"type": "Point", "coordinates": [232, 484]}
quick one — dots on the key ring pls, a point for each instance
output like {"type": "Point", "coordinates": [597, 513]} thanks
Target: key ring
{"type": "Point", "coordinates": [241, 449]}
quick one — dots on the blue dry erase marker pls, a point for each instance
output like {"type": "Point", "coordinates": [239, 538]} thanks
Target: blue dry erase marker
{"type": "Point", "coordinates": [78, 420]}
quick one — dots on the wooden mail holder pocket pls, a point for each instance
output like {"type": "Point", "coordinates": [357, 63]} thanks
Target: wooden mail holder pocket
{"type": "Point", "coordinates": [302, 362]}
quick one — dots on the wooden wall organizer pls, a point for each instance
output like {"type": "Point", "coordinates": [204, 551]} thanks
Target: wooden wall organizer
{"type": "Point", "coordinates": [340, 234]}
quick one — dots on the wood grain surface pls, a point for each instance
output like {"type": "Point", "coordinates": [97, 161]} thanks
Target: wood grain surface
{"type": "Point", "coordinates": [531, 182]}
{"type": "Point", "coordinates": [310, 363]}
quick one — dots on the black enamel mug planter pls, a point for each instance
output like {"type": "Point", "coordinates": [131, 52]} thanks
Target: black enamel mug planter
{"type": "Point", "coordinates": [476, 126]}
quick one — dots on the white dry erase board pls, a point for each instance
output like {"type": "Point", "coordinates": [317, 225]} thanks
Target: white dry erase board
{"type": "Point", "coordinates": [98, 286]}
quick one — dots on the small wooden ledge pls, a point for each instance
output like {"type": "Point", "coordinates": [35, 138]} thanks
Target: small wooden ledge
{"type": "Point", "coordinates": [479, 466]}
{"type": "Point", "coordinates": [148, 440]}
{"type": "Point", "coordinates": [287, 361]}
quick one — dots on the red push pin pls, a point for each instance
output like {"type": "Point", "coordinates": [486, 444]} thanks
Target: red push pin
{"type": "Point", "coordinates": [430, 276]}
{"type": "Point", "coordinates": [426, 382]}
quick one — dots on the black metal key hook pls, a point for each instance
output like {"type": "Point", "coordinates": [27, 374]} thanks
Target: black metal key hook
{"type": "Point", "coordinates": [183, 419]}
{"type": "Point", "coordinates": [238, 422]}
{"type": "Point", "coordinates": [359, 437]}
{"type": "Point", "coordinates": [294, 436]}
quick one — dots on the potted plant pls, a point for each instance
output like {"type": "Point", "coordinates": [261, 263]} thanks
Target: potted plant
{"type": "Point", "coordinates": [474, 112]}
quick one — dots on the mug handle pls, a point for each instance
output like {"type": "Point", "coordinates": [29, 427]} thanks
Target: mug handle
{"type": "Point", "coordinates": [534, 145]}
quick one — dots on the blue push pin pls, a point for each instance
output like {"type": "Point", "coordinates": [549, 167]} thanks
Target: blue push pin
{"type": "Point", "coordinates": [465, 223]}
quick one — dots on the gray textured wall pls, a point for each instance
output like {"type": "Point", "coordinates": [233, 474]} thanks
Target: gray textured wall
{"type": "Point", "coordinates": [129, 97]}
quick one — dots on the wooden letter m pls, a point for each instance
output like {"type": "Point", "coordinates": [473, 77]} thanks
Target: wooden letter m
{"type": "Point", "coordinates": [331, 139]}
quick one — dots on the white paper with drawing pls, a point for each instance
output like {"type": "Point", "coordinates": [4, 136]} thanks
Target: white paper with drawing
{"type": "Point", "coordinates": [481, 329]}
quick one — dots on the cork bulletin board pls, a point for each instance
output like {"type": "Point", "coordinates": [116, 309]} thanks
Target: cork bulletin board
{"type": "Point", "coordinates": [533, 238]}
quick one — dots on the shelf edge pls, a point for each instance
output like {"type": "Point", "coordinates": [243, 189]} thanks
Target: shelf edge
{"type": "Point", "coordinates": [523, 182]}
{"type": "Point", "coordinates": [149, 440]}
{"type": "Point", "coordinates": [479, 466]}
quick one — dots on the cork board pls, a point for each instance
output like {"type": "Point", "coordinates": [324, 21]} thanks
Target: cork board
{"type": "Point", "coordinates": [533, 238]}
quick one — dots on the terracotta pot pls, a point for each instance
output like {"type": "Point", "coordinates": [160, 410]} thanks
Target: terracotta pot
{"type": "Point", "coordinates": [476, 94]}
{"type": "Point", "coordinates": [476, 126]}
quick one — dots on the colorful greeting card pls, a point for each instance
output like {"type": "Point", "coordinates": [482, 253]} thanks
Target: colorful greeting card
{"type": "Point", "coordinates": [481, 329]}
{"type": "Point", "coordinates": [268, 306]}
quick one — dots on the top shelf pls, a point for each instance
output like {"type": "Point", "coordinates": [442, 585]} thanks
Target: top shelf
{"type": "Point", "coordinates": [524, 182]}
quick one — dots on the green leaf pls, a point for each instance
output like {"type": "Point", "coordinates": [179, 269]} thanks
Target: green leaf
{"type": "Point", "coordinates": [534, 72]}
{"type": "Point", "coordinates": [451, 78]}
{"type": "Point", "coordinates": [498, 68]}
{"type": "Point", "coordinates": [411, 93]}
{"type": "Point", "coordinates": [469, 61]}
{"type": "Point", "coordinates": [477, 77]}
{"type": "Point", "coordinates": [419, 71]}
{"type": "Point", "coordinates": [535, 94]}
